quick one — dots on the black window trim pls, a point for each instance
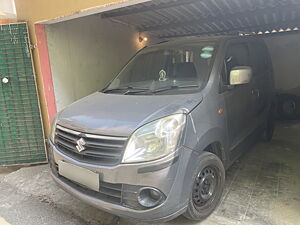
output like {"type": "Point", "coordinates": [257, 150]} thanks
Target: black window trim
{"type": "Point", "coordinates": [226, 87]}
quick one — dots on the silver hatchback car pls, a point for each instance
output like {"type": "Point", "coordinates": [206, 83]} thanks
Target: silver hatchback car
{"type": "Point", "coordinates": [155, 142]}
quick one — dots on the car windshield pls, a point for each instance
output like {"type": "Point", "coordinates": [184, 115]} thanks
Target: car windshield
{"type": "Point", "coordinates": [159, 69]}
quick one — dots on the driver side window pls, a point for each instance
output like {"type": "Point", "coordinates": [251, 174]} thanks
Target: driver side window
{"type": "Point", "coordinates": [236, 55]}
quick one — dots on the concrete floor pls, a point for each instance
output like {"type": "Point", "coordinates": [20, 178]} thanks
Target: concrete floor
{"type": "Point", "coordinates": [262, 188]}
{"type": "Point", "coordinates": [4, 170]}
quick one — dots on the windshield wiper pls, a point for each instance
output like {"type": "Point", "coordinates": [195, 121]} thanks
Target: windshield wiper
{"type": "Point", "coordinates": [133, 90]}
{"type": "Point", "coordinates": [174, 87]}
{"type": "Point", "coordinates": [127, 89]}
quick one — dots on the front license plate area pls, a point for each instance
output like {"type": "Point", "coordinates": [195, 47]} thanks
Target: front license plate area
{"type": "Point", "coordinates": [80, 175]}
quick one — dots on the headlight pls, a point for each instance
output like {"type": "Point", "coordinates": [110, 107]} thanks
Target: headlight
{"type": "Point", "coordinates": [53, 127]}
{"type": "Point", "coordinates": [155, 140]}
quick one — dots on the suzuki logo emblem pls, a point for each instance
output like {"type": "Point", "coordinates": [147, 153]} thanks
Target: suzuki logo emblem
{"type": "Point", "coordinates": [80, 145]}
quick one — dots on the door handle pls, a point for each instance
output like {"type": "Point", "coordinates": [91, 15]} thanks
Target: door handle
{"type": "Point", "coordinates": [255, 92]}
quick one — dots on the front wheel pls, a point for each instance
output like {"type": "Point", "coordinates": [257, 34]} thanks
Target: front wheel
{"type": "Point", "coordinates": [207, 189]}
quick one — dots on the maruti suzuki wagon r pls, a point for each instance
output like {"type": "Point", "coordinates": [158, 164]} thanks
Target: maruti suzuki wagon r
{"type": "Point", "coordinates": [155, 142]}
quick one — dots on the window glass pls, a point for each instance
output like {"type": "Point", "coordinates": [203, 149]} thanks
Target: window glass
{"type": "Point", "coordinates": [158, 67]}
{"type": "Point", "coordinates": [259, 58]}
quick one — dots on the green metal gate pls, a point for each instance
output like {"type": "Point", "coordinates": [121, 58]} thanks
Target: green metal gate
{"type": "Point", "coordinates": [21, 133]}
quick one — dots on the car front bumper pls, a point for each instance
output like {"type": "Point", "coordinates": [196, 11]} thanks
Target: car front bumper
{"type": "Point", "coordinates": [171, 175]}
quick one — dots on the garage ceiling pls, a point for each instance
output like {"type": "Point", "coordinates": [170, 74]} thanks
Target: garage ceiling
{"type": "Point", "coordinates": [176, 18]}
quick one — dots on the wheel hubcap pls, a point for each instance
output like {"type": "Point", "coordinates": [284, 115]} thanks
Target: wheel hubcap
{"type": "Point", "coordinates": [205, 186]}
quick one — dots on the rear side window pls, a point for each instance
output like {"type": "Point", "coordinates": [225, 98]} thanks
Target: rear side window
{"type": "Point", "coordinates": [259, 58]}
{"type": "Point", "coordinates": [236, 55]}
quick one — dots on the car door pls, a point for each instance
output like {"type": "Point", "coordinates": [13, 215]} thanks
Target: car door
{"type": "Point", "coordinates": [261, 80]}
{"type": "Point", "coordinates": [238, 99]}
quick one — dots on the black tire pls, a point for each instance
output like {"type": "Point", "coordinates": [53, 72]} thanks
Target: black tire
{"type": "Point", "coordinates": [206, 191]}
{"type": "Point", "coordinates": [288, 106]}
{"type": "Point", "coordinates": [267, 134]}
{"type": "Point", "coordinates": [268, 131]}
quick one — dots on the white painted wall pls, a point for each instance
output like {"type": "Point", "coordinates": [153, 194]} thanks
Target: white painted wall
{"type": "Point", "coordinates": [285, 54]}
{"type": "Point", "coordinates": [7, 6]}
{"type": "Point", "coordinates": [86, 53]}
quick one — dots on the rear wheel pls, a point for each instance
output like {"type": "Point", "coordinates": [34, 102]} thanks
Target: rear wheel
{"type": "Point", "coordinates": [207, 189]}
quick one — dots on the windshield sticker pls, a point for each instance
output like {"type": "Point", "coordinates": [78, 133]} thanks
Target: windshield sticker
{"type": "Point", "coordinates": [162, 75]}
{"type": "Point", "coordinates": [207, 52]}
{"type": "Point", "coordinates": [208, 48]}
{"type": "Point", "coordinates": [206, 55]}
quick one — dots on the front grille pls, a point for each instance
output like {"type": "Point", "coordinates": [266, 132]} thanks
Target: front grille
{"type": "Point", "coordinates": [99, 149]}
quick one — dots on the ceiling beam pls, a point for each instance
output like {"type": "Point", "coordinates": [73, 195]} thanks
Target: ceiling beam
{"type": "Point", "coordinates": [265, 27]}
{"type": "Point", "coordinates": [129, 11]}
{"type": "Point", "coordinates": [212, 19]}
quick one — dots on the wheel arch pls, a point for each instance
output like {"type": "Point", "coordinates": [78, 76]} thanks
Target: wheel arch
{"type": "Point", "coordinates": [217, 149]}
{"type": "Point", "coordinates": [214, 140]}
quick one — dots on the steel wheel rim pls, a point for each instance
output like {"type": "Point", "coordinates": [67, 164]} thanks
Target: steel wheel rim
{"type": "Point", "coordinates": [205, 186]}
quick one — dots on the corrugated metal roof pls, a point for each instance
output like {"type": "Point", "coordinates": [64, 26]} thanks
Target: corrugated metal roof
{"type": "Point", "coordinates": [177, 18]}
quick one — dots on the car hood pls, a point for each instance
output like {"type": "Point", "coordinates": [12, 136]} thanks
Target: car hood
{"type": "Point", "coordinates": [120, 115]}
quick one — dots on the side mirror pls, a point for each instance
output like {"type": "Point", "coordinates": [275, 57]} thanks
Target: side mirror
{"type": "Point", "coordinates": [240, 75]}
